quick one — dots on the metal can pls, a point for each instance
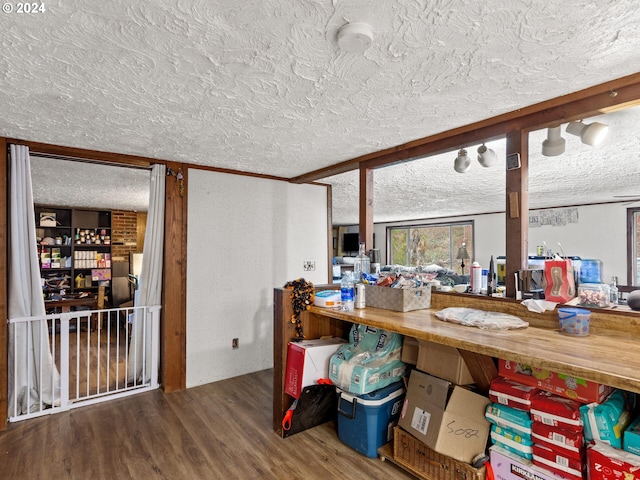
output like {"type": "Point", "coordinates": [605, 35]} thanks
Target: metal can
{"type": "Point", "coordinates": [540, 250]}
{"type": "Point", "coordinates": [360, 300]}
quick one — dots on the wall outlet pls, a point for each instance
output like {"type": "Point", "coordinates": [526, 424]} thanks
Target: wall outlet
{"type": "Point", "coordinates": [309, 266]}
{"type": "Point", "coordinates": [234, 343]}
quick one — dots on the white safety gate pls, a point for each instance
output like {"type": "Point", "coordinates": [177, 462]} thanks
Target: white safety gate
{"type": "Point", "coordinates": [92, 354]}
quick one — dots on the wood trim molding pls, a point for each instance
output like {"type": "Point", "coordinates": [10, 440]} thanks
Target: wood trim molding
{"type": "Point", "coordinates": [173, 343]}
{"type": "Point", "coordinates": [606, 97]}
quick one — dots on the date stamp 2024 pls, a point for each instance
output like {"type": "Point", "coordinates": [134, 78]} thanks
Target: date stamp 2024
{"type": "Point", "coordinates": [24, 8]}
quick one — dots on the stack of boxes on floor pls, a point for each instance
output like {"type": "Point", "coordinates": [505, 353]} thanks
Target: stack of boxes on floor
{"type": "Point", "coordinates": [442, 431]}
{"type": "Point", "coordinates": [545, 424]}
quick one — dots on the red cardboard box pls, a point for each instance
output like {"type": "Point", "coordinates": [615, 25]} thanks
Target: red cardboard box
{"type": "Point", "coordinates": [556, 411]}
{"type": "Point", "coordinates": [605, 462]}
{"type": "Point", "coordinates": [511, 393]}
{"type": "Point", "coordinates": [568, 443]}
{"type": "Point", "coordinates": [583, 391]}
{"type": "Point", "coordinates": [307, 362]}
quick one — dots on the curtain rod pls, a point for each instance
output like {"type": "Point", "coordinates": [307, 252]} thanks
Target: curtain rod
{"type": "Point", "coordinates": [88, 160]}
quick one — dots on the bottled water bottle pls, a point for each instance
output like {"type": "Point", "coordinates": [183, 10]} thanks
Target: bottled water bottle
{"type": "Point", "coordinates": [347, 292]}
{"type": "Point", "coordinates": [362, 264]}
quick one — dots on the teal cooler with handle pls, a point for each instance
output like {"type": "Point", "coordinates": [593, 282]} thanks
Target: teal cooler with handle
{"type": "Point", "coordinates": [365, 422]}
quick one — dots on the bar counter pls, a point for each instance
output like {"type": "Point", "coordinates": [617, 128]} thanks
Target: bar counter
{"type": "Point", "coordinates": [609, 355]}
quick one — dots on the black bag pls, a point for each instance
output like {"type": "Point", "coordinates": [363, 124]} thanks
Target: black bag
{"type": "Point", "coordinates": [317, 405]}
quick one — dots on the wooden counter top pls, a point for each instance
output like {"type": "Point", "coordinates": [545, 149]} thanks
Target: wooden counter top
{"type": "Point", "coordinates": [612, 359]}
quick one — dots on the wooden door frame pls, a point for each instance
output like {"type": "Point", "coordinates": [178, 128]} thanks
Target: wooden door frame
{"type": "Point", "coordinates": [173, 314]}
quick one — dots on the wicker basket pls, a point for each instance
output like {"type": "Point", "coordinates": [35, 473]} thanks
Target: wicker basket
{"type": "Point", "coordinates": [398, 299]}
{"type": "Point", "coordinates": [415, 456]}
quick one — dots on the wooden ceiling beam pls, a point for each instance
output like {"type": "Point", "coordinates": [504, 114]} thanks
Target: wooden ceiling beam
{"type": "Point", "coordinates": [596, 100]}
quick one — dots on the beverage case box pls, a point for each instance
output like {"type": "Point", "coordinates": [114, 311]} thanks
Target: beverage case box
{"type": "Point", "coordinates": [578, 389]}
{"type": "Point", "coordinates": [307, 362]}
{"type": "Point", "coordinates": [450, 425]}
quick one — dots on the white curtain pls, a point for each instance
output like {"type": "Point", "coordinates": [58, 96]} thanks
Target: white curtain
{"type": "Point", "coordinates": [33, 376]}
{"type": "Point", "coordinates": [149, 291]}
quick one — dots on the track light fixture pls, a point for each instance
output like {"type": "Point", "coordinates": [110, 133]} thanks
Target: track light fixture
{"type": "Point", "coordinates": [554, 144]}
{"type": "Point", "coordinates": [591, 134]}
{"type": "Point", "coordinates": [486, 156]}
{"type": "Point", "coordinates": [462, 162]}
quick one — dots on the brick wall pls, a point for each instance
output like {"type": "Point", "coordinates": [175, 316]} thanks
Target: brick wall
{"type": "Point", "coordinates": [124, 235]}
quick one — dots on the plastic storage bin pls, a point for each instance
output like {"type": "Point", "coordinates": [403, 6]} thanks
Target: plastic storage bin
{"type": "Point", "coordinates": [590, 271]}
{"type": "Point", "coordinates": [365, 422]}
{"type": "Point", "coordinates": [574, 321]}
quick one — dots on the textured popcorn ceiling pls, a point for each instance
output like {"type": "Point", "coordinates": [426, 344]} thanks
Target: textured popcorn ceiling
{"type": "Point", "coordinates": [261, 87]}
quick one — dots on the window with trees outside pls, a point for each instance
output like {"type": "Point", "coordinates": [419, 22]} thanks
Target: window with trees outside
{"type": "Point", "coordinates": [437, 243]}
{"type": "Point", "coordinates": [633, 248]}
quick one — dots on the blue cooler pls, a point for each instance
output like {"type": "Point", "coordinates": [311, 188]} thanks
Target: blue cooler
{"type": "Point", "coordinates": [365, 422]}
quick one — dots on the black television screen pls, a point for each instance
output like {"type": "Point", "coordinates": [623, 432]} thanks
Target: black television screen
{"type": "Point", "coordinates": [350, 242]}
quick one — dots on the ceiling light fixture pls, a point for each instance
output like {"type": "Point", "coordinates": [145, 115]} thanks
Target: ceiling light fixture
{"type": "Point", "coordinates": [554, 144]}
{"type": "Point", "coordinates": [486, 156]}
{"type": "Point", "coordinates": [592, 134]}
{"type": "Point", "coordinates": [355, 37]}
{"type": "Point", "coordinates": [462, 162]}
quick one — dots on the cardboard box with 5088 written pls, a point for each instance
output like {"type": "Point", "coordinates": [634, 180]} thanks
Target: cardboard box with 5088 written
{"type": "Point", "coordinates": [578, 389]}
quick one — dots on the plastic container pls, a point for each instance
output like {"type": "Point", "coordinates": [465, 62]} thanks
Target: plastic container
{"type": "Point", "coordinates": [365, 422]}
{"type": "Point", "coordinates": [347, 292]}
{"type": "Point", "coordinates": [590, 271]}
{"type": "Point", "coordinates": [593, 295]}
{"type": "Point", "coordinates": [574, 321]}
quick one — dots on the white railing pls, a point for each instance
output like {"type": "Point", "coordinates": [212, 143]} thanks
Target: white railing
{"type": "Point", "coordinates": [92, 354]}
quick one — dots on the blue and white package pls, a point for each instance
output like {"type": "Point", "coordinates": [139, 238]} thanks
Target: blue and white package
{"type": "Point", "coordinates": [516, 420]}
{"type": "Point", "coordinates": [370, 361]}
{"type": "Point", "coordinates": [606, 421]}
{"type": "Point", "coordinates": [511, 440]}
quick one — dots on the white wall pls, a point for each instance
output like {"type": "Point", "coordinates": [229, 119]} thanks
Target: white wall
{"type": "Point", "coordinates": [246, 235]}
{"type": "Point", "coordinates": [601, 232]}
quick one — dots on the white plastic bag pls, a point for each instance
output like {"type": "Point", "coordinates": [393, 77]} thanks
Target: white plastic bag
{"type": "Point", "coordinates": [471, 317]}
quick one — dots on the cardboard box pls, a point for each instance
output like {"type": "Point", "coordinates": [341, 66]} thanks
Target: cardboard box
{"type": "Point", "coordinates": [444, 362]}
{"type": "Point", "coordinates": [605, 462]}
{"type": "Point", "coordinates": [451, 425]}
{"type": "Point", "coordinates": [409, 350]}
{"type": "Point", "coordinates": [509, 466]}
{"type": "Point", "coordinates": [422, 461]}
{"type": "Point", "coordinates": [308, 361]}
{"type": "Point", "coordinates": [583, 391]}
{"type": "Point", "coordinates": [398, 299]}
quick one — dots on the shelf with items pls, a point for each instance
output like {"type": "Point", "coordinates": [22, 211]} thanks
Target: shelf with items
{"type": "Point", "coordinates": [74, 249]}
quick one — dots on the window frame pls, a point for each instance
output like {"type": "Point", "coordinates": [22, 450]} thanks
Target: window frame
{"type": "Point", "coordinates": [633, 246]}
{"type": "Point", "coordinates": [469, 240]}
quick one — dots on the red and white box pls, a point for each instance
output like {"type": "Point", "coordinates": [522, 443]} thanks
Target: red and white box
{"type": "Point", "coordinates": [556, 411]}
{"type": "Point", "coordinates": [511, 393]}
{"type": "Point", "coordinates": [568, 443]}
{"type": "Point", "coordinates": [605, 462]}
{"type": "Point", "coordinates": [308, 362]}
{"type": "Point", "coordinates": [550, 459]}
{"type": "Point", "coordinates": [584, 391]}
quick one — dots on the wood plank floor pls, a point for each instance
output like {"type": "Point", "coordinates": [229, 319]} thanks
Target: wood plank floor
{"type": "Point", "coordinates": [217, 431]}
